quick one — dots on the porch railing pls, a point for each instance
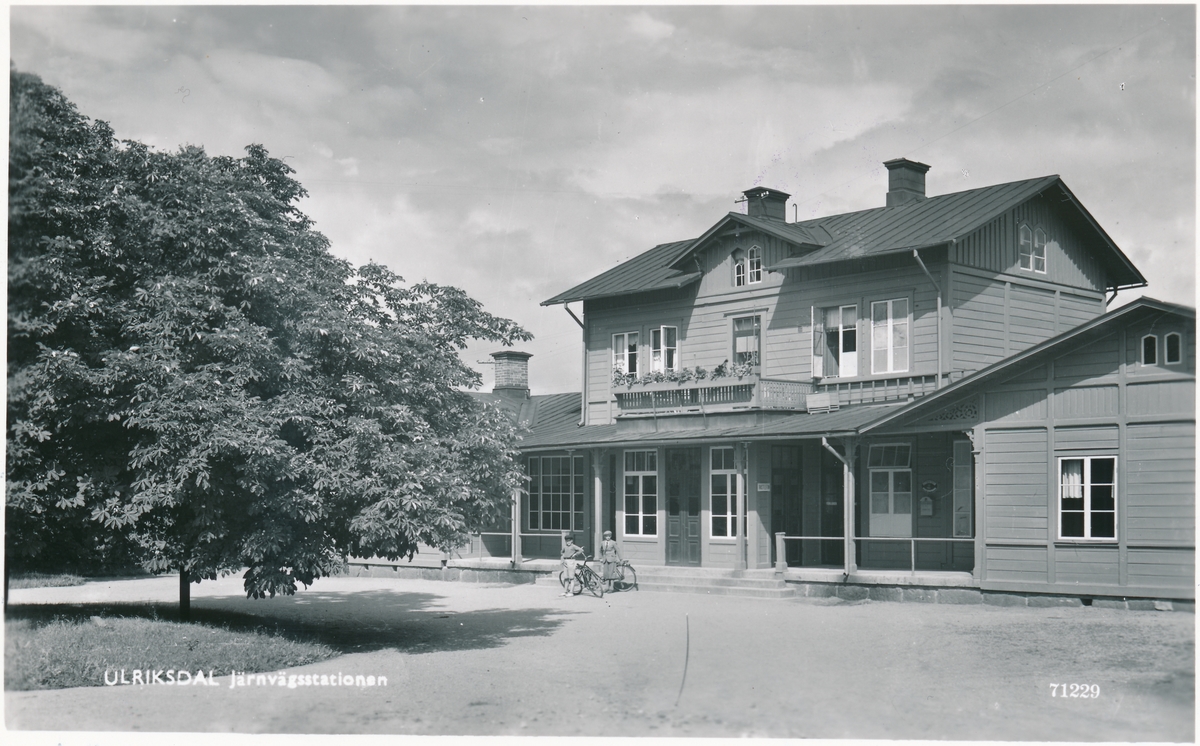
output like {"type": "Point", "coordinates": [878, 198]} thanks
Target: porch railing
{"type": "Point", "coordinates": [868, 391]}
{"type": "Point", "coordinates": [861, 543]}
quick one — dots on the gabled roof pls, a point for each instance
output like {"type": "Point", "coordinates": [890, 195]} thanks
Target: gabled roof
{"type": "Point", "coordinates": [935, 221]}
{"type": "Point", "coordinates": [1051, 348]}
{"type": "Point", "coordinates": [648, 271]}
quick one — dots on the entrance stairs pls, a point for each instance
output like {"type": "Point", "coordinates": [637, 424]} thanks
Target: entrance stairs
{"type": "Point", "coordinates": [706, 580]}
{"type": "Point", "coordinates": [714, 582]}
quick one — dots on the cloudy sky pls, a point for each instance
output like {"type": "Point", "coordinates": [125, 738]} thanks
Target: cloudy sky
{"type": "Point", "coordinates": [515, 152]}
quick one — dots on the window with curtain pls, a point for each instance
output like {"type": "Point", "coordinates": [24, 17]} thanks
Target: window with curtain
{"type": "Point", "coordinates": [889, 336]}
{"type": "Point", "coordinates": [664, 349]}
{"type": "Point", "coordinates": [1088, 497]}
{"type": "Point", "coordinates": [746, 339]}
{"type": "Point", "coordinates": [754, 268]}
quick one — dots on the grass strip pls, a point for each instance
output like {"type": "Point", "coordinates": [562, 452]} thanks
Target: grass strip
{"type": "Point", "coordinates": [67, 652]}
{"type": "Point", "coordinates": [44, 580]}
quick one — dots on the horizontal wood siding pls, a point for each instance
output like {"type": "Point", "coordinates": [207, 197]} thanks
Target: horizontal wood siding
{"type": "Point", "coordinates": [978, 338]}
{"type": "Point", "coordinates": [1160, 483]}
{"type": "Point", "coordinates": [1069, 259]}
{"type": "Point", "coordinates": [1031, 316]}
{"type": "Point", "coordinates": [1098, 439]}
{"type": "Point", "coordinates": [1074, 310]}
{"type": "Point", "coordinates": [1015, 485]}
{"type": "Point", "coordinates": [1091, 565]}
{"type": "Point", "coordinates": [1161, 397]}
{"type": "Point", "coordinates": [1159, 567]}
{"type": "Point", "coordinates": [1022, 564]}
{"type": "Point", "coordinates": [1101, 358]}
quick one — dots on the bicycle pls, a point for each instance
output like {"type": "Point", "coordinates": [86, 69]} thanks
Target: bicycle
{"type": "Point", "coordinates": [626, 577]}
{"type": "Point", "coordinates": [585, 577]}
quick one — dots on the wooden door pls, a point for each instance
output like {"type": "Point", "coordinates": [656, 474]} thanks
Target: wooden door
{"type": "Point", "coordinates": [683, 506]}
{"type": "Point", "coordinates": [832, 519]}
{"type": "Point", "coordinates": [785, 500]}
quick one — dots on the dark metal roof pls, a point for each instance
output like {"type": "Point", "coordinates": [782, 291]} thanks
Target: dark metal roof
{"type": "Point", "coordinates": [883, 230]}
{"type": "Point", "coordinates": [650, 270]}
{"type": "Point", "coordinates": [1036, 355]}
{"type": "Point", "coordinates": [840, 422]}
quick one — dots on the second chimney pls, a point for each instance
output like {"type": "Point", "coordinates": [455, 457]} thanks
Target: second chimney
{"type": "Point", "coordinates": [906, 181]}
{"type": "Point", "coordinates": [764, 202]}
{"type": "Point", "coordinates": [512, 373]}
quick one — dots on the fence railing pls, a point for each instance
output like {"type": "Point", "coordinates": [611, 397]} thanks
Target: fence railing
{"type": "Point", "coordinates": [861, 543]}
{"type": "Point", "coordinates": [885, 389]}
{"type": "Point", "coordinates": [750, 392]}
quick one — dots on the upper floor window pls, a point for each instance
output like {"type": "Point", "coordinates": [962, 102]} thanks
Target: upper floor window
{"type": "Point", "coordinates": [739, 268]}
{"type": "Point", "coordinates": [1173, 343]}
{"type": "Point", "coordinates": [556, 493]}
{"type": "Point", "coordinates": [889, 336]}
{"type": "Point", "coordinates": [1149, 350]}
{"type": "Point", "coordinates": [723, 496]}
{"type": "Point", "coordinates": [754, 265]}
{"type": "Point", "coordinates": [835, 341]}
{"type": "Point", "coordinates": [1088, 498]}
{"type": "Point", "coordinates": [664, 349]}
{"type": "Point", "coordinates": [625, 352]}
{"type": "Point", "coordinates": [747, 335]}
{"type": "Point", "coordinates": [1031, 247]}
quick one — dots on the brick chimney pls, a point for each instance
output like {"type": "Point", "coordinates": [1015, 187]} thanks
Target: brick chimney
{"type": "Point", "coordinates": [906, 181]}
{"type": "Point", "coordinates": [512, 373]}
{"type": "Point", "coordinates": [764, 202]}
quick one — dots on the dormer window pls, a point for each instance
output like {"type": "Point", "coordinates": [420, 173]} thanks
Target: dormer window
{"type": "Point", "coordinates": [1149, 350]}
{"type": "Point", "coordinates": [739, 268]}
{"type": "Point", "coordinates": [754, 265]}
{"type": "Point", "coordinates": [1031, 248]}
{"type": "Point", "coordinates": [1174, 352]}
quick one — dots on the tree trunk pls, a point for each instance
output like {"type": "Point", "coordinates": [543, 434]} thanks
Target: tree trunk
{"type": "Point", "coordinates": [185, 596]}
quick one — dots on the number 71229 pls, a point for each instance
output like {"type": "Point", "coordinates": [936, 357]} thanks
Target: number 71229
{"type": "Point", "coordinates": [1075, 691]}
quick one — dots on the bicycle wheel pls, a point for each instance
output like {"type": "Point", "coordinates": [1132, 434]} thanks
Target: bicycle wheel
{"type": "Point", "coordinates": [576, 585]}
{"type": "Point", "coordinates": [594, 583]}
{"type": "Point", "coordinates": [562, 579]}
{"type": "Point", "coordinates": [626, 579]}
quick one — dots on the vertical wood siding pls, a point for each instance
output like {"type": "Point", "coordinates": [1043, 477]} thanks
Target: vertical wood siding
{"type": "Point", "coordinates": [1015, 484]}
{"type": "Point", "coordinates": [716, 262]}
{"type": "Point", "coordinates": [1086, 401]}
{"type": "Point", "coordinates": [1070, 260]}
{"type": "Point", "coordinates": [978, 339]}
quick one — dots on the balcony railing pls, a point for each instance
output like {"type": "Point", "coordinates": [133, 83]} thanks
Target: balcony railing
{"type": "Point", "coordinates": [720, 395]}
{"type": "Point", "coordinates": [754, 392]}
{"type": "Point", "coordinates": [873, 390]}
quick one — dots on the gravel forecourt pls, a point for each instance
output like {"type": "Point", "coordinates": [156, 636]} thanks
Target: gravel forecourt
{"type": "Point", "coordinates": [479, 659]}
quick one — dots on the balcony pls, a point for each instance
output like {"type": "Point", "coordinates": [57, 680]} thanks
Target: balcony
{"type": "Point", "coordinates": [711, 396]}
{"type": "Point", "coordinates": [752, 392]}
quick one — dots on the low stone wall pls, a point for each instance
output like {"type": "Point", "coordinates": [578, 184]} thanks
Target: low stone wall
{"type": "Point", "coordinates": [459, 574]}
{"type": "Point", "coordinates": [851, 592]}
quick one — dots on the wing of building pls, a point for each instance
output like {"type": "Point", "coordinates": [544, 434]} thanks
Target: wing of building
{"type": "Point", "coordinates": [926, 393]}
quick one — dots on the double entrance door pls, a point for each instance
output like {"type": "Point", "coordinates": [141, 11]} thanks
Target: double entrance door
{"type": "Point", "coordinates": [683, 476]}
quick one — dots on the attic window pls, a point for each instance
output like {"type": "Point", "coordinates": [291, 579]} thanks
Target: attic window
{"type": "Point", "coordinates": [1031, 247]}
{"type": "Point", "coordinates": [1174, 351]}
{"type": "Point", "coordinates": [754, 264]}
{"type": "Point", "coordinates": [739, 268]}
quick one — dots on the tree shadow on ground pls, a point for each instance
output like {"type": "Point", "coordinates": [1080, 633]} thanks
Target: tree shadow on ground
{"type": "Point", "coordinates": [349, 622]}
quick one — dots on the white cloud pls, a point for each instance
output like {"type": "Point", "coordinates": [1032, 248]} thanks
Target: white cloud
{"type": "Point", "coordinates": [643, 25]}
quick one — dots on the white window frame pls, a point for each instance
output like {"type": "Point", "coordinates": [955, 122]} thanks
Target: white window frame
{"type": "Point", "coordinates": [843, 355]}
{"type": "Point", "coordinates": [754, 269]}
{"type": "Point", "coordinates": [1031, 249]}
{"type": "Point", "coordinates": [663, 356]}
{"type": "Point", "coordinates": [1087, 488]}
{"type": "Point", "coordinates": [728, 477]}
{"type": "Point", "coordinates": [758, 337]}
{"type": "Point", "coordinates": [739, 268]}
{"type": "Point", "coordinates": [646, 515]}
{"type": "Point", "coordinates": [542, 513]}
{"type": "Point", "coordinates": [623, 355]}
{"type": "Point", "coordinates": [893, 462]}
{"type": "Point", "coordinates": [1167, 349]}
{"type": "Point", "coordinates": [889, 328]}
{"type": "Point", "coordinates": [1142, 349]}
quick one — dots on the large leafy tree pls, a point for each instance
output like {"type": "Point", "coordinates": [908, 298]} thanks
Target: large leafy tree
{"type": "Point", "coordinates": [194, 379]}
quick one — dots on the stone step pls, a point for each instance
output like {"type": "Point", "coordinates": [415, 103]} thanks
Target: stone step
{"type": "Point", "coordinates": [719, 581]}
{"type": "Point", "coordinates": [717, 590]}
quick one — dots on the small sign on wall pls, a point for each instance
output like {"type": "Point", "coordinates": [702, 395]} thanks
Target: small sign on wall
{"type": "Point", "coordinates": [764, 486]}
